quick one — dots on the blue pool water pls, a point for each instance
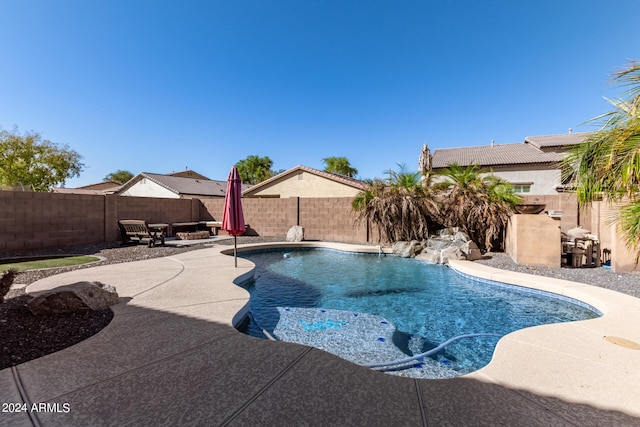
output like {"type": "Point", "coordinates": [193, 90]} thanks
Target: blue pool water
{"type": "Point", "coordinates": [338, 300]}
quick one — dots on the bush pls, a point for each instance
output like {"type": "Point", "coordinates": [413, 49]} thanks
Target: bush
{"type": "Point", "coordinates": [6, 281]}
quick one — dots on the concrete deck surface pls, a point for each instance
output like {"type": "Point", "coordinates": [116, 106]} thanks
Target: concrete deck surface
{"type": "Point", "coordinates": [171, 356]}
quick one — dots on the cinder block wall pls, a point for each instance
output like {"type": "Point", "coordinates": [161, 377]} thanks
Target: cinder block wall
{"type": "Point", "coordinates": [31, 220]}
{"type": "Point", "coordinates": [330, 219]}
{"type": "Point", "coordinates": [36, 220]}
{"type": "Point", "coordinates": [322, 218]}
{"type": "Point", "coordinates": [270, 217]}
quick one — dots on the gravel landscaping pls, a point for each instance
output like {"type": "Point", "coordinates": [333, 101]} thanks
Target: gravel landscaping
{"type": "Point", "coordinates": [26, 337]}
{"type": "Point", "coordinates": [626, 283]}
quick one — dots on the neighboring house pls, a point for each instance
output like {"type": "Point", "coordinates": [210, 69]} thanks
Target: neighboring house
{"type": "Point", "coordinates": [106, 187]}
{"type": "Point", "coordinates": [532, 167]}
{"type": "Point", "coordinates": [303, 181]}
{"type": "Point", "coordinates": [188, 174]}
{"type": "Point", "coordinates": [173, 186]}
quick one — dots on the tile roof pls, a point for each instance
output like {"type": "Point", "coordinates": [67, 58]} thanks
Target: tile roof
{"type": "Point", "coordinates": [352, 182]}
{"type": "Point", "coordinates": [529, 152]}
{"type": "Point", "coordinates": [506, 154]}
{"type": "Point", "coordinates": [179, 185]}
{"type": "Point", "coordinates": [559, 140]}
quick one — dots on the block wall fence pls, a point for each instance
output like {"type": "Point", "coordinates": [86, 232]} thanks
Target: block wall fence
{"type": "Point", "coordinates": [322, 218]}
{"type": "Point", "coordinates": [35, 220]}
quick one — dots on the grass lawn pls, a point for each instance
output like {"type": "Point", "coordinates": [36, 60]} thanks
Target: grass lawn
{"type": "Point", "coordinates": [44, 262]}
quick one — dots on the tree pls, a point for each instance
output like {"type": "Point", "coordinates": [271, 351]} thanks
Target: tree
{"type": "Point", "coordinates": [31, 161]}
{"type": "Point", "coordinates": [478, 205]}
{"type": "Point", "coordinates": [255, 169]}
{"type": "Point", "coordinates": [119, 176]}
{"type": "Point", "coordinates": [400, 208]}
{"type": "Point", "coordinates": [607, 164]}
{"type": "Point", "coordinates": [339, 165]}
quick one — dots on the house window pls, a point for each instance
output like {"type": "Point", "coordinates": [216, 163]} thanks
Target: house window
{"type": "Point", "coordinates": [521, 188]}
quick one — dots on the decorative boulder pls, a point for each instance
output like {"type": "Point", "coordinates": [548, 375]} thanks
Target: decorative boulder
{"type": "Point", "coordinates": [447, 232]}
{"type": "Point", "coordinates": [430, 255]}
{"type": "Point", "coordinates": [471, 251]}
{"type": "Point", "coordinates": [295, 234]}
{"type": "Point", "coordinates": [460, 236]}
{"type": "Point", "coordinates": [452, 252]}
{"type": "Point", "coordinates": [407, 249]}
{"type": "Point", "coordinates": [449, 244]}
{"type": "Point", "coordinates": [75, 298]}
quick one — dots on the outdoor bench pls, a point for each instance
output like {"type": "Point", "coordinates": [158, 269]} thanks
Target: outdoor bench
{"type": "Point", "coordinates": [136, 230]}
{"type": "Point", "coordinates": [213, 225]}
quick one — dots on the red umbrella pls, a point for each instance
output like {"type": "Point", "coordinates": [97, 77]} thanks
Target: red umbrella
{"type": "Point", "coordinates": [232, 217]}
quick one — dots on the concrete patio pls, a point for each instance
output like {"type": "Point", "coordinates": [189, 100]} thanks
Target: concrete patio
{"type": "Point", "coordinates": [171, 356]}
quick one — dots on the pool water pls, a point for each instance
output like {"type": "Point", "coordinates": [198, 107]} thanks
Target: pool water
{"type": "Point", "coordinates": [427, 304]}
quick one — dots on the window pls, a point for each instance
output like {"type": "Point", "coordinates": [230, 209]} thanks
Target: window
{"type": "Point", "coordinates": [521, 188]}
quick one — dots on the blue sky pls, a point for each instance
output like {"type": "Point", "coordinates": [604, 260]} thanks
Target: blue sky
{"type": "Point", "coordinates": [159, 86]}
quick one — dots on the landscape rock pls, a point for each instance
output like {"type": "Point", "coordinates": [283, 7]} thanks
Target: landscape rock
{"type": "Point", "coordinates": [438, 244]}
{"type": "Point", "coordinates": [429, 255]}
{"type": "Point", "coordinates": [449, 243]}
{"type": "Point", "coordinates": [452, 252]}
{"type": "Point", "coordinates": [461, 237]}
{"type": "Point", "coordinates": [295, 234]}
{"type": "Point", "coordinates": [407, 249]}
{"type": "Point", "coordinates": [471, 251]}
{"type": "Point", "coordinates": [74, 298]}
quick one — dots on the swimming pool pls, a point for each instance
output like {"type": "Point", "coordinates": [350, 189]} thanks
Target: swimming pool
{"type": "Point", "coordinates": [374, 309]}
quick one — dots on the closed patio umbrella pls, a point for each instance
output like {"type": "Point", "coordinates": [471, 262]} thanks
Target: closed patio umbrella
{"type": "Point", "coordinates": [232, 217]}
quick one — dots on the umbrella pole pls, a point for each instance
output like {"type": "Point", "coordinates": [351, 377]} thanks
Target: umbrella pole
{"type": "Point", "coordinates": [235, 249]}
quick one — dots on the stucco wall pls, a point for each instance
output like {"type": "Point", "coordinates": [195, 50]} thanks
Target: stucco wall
{"type": "Point", "coordinates": [545, 180]}
{"type": "Point", "coordinates": [565, 202]}
{"type": "Point", "coordinates": [534, 240]}
{"type": "Point", "coordinates": [304, 184]}
{"type": "Point", "coordinates": [622, 259]}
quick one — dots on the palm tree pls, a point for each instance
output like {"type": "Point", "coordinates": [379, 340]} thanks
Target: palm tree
{"type": "Point", "coordinates": [607, 164]}
{"type": "Point", "coordinates": [339, 165]}
{"type": "Point", "coordinates": [119, 176]}
{"type": "Point", "coordinates": [399, 207]}
{"type": "Point", "coordinates": [480, 206]}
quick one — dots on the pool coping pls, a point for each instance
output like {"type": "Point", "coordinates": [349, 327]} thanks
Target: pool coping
{"type": "Point", "coordinates": [588, 356]}
{"type": "Point", "coordinates": [171, 342]}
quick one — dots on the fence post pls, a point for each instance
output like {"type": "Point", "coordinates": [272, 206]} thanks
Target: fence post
{"type": "Point", "coordinates": [110, 217]}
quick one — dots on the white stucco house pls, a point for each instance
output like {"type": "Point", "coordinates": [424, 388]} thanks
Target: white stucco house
{"type": "Point", "coordinates": [174, 186]}
{"type": "Point", "coordinates": [532, 167]}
